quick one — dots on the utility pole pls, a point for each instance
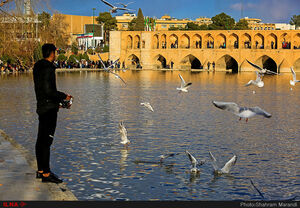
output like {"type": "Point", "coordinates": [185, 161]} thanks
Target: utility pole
{"type": "Point", "coordinates": [93, 28]}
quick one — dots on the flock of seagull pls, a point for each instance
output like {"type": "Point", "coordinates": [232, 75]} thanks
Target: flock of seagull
{"type": "Point", "coordinates": [241, 112]}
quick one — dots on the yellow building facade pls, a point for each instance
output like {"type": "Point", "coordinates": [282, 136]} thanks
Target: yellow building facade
{"type": "Point", "coordinates": [185, 50]}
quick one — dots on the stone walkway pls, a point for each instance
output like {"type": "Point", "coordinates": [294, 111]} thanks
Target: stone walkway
{"type": "Point", "coordinates": [17, 176]}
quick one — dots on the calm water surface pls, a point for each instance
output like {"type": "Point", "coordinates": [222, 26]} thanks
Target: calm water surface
{"type": "Point", "coordinates": [88, 155]}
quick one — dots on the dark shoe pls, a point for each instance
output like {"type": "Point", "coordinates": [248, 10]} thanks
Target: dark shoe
{"type": "Point", "coordinates": [39, 175]}
{"type": "Point", "coordinates": [52, 178]}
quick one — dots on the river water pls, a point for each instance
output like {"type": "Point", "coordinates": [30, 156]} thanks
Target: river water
{"type": "Point", "coordinates": [88, 155]}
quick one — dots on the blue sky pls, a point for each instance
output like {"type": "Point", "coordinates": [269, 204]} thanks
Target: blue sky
{"type": "Point", "coordinates": [267, 10]}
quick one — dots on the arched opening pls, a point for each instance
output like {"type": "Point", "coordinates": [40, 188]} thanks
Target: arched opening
{"type": "Point", "coordinates": [246, 41]}
{"type": "Point", "coordinates": [137, 42]}
{"type": "Point", "coordinates": [233, 41]}
{"type": "Point", "coordinates": [259, 41]}
{"type": "Point", "coordinates": [285, 41]}
{"type": "Point", "coordinates": [173, 41]}
{"type": "Point", "coordinates": [197, 41]}
{"type": "Point", "coordinates": [163, 41]}
{"type": "Point", "coordinates": [129, 42]}
{"type": "Point", "coordinates": [155, 42]}
{"type": "Point", "coordinates": [297, 41]}
{"type": "Point", "coordinates": [185, 41]}
{"type": "Point", "coordinates": [191, 62]}
{"type": "Point", "coordinates": [160, 61]}
{"type": "Point", "coordinates": [221, 41]}
{"type": "Point", "coordinates": [272, 41]}
{"type": "Point", "coordinates": [209, 41]}
{"type": "Point", "coordinates": [133, 61]}
{"type": "Point", "coordinates": [267, 62]}
{"type": "Point", "coordinates": [227, 62]}
{"type": "Point", "coordinates": [245, 66]}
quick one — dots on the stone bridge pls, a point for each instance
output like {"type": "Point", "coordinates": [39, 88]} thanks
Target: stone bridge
{"type": "Point", "coordinates": [276, 50]}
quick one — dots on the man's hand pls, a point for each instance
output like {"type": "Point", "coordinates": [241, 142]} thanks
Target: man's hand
{"type": "Point", "coordinates": [69, 97]}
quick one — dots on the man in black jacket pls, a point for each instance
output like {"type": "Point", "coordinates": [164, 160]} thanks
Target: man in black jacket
{"type": "Point", "coordinates": [48, 103]}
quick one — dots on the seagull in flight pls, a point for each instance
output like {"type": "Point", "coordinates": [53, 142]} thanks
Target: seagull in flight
{"type": "Point", "coordinates": [242, 112]}
{"type": "Point", "coordinates": [126, 5]}
{"type": "Point", "coordinates": [184, 86]}
{"type": "Point", "coordinates": [147, 105]}
{"type": "Point", "coordinates": [258, 82]}
{"type": "Point", "coordinates": [165, 156]}
{"type": "Point", "coordinates": [114, 9]}
{"type": "Point", "coordinates": [108, 69]}
{"type": "Point", "coordinates": [123, 132]}
{"type": "Point", "coordinates": [227, 167]}
{"type": "Point", "coordinates": [78, 62]}
{"type": "Point", "coordinates": [194, 163]}
{"type": "Point", "coordinates": [294, 81]}
{"type": "Point", "coordinates": [261, 70]}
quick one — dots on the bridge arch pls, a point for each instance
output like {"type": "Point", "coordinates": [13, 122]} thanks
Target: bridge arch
{"type": "Point", "coordinates": [284, 41]}
{"type": "Point", "coordinates": [227, 62]}
{"type": "Point", "coordinates": [196, 41]}
{"type": "Point", "coordinates": [160, 61]}
{"type": "Point", "coordinates": [155, 44]}
{"type": "Point", "coordinates": [271, 41]}
{"type": "Point", "coordinates": [267, 62]}
{"type": "Point", "coordinates": [173, 41]}
{"type": "Point", "coordinates": [184, 41]}
{"type": "Point", "coordinates": [259, 41]}
{"type": "Point", "coordinates": [208, 41]}
{"type": "Point", "coordinates": [129, 42]}
{"type": "Point", "coordinates": [137, 42]}
{"type": "Point", "coordinates": [221, 41]}
{"type": "Point", "coordinates": [191, 62]}
{"type": "Point", "coordinates": [233, 41]}
{"type": "Point", "coordinates": [284, 66]}
{"type": "Point", "coordinates": [132, 61]}
{"type": "Point", "coordinates": [246, 41]}
{"type": "Point", "coordinates": [296, 44]}
{"type": "Point", "coordinates": [297, 65]}
{"type": "Point", "coordinates": [163, 40]}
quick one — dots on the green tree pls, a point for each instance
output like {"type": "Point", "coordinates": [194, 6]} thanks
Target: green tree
{"type": "Point", "coordinates": [174, 28]}
{"type": "Point", "coordinates": [242, 25]}
{"type": "Point", "coordinates": [61, 57]}
{"type": "Point", "coordinates": [192, 26]}
{"type": "Point", "coordinates": [109, 23]}
{"type": "Point", "coordinates": [140, 21]}
{"type": "Point", "coordinates": [203, 27]}
{"type": "Point", "coordinates": [45, 19]}
{"type": "Point", "coordinates": [72, 59]}
{"type": "Point", "coordinates": [295, 20]}
{"type": "Point", "coordinates": [74, 48]}
{"type": "Point", "coordinates": [132, 24]}
{"type": "Point", "coordinates": [222, 22]}
{"type": "Point", "coordinates": [85, 56]}
{"type": "Point", "coordinates": [37, 53]}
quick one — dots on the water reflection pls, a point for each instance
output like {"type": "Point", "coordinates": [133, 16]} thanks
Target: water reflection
{"type": "Point", "coordinates": [88, 155]}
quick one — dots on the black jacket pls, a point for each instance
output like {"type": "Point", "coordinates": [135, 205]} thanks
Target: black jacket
{"type": "Point", "coordinates": [47, 96]}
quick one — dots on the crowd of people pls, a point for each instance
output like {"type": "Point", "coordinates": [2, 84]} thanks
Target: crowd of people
{"type": "Point", "coordinates": [9, 67]}
{"type": "Point", "coordinates": [88, 64]}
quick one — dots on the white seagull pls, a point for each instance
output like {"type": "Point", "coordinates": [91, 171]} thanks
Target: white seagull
{"type": "Point", "coordinates": [114, 9]}
{"type": "Point", "coordinates": [294, 81]}
{"type": "Point", "coordinates": [258, 82]}
{"type": "Point", "coordinates": [242, 112]}
{"type": "Point", "coordinates": [227, 167]}
{"type": "Point", "coordinates": [108, 69]}
{"type": "Point", "coordinates": [261, 70]}
{"type": "Point", "coordinates": [126, 5]}
{"type": "Point", "coordinates": [123, 132]}
{"type": "Point", "coordinates": [165, 156]}
{"type": "Point", "coordinates": [194, 163]}
{"type": "Point", "coordinates": [147, 105]}
{"type": "Point", "coordinates": [184, 86]}
{"type": "Point", "coordinates": [78, 62]}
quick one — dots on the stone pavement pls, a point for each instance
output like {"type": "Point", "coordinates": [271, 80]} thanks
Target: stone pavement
{"type": "Point", "coordinates": [17, 176]}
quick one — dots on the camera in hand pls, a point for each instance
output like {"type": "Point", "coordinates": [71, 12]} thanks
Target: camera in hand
{"type": "Point", "coordinates": [66, 103]}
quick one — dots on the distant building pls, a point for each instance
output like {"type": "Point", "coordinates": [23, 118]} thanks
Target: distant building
{"type": "Point", "coordinates": [284, 26]}
{"type": "Point", "coordinates": [124, 20]}
{"type": "Point", "coordinates": [257, 24]}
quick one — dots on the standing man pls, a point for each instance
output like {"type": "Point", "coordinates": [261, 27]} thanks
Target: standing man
{"type": "Point", "coordinates": [48, 103]}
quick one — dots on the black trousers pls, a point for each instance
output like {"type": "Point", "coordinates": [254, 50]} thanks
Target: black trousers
{"type": "Point", "coordinates": [47, 125]}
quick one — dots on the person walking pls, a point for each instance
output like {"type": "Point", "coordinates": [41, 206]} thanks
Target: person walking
{"type": "Point", "coordinates": [48, 103]}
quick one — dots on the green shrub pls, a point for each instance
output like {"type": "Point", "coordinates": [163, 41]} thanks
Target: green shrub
{"type": "Point", "coordinates": [61, 57]}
